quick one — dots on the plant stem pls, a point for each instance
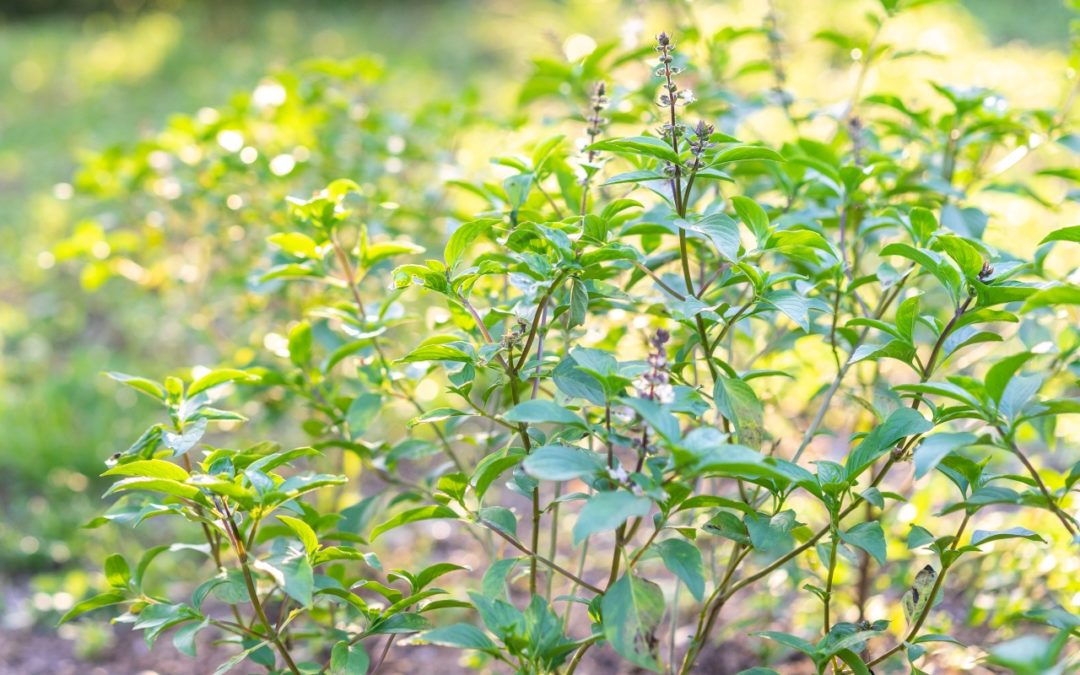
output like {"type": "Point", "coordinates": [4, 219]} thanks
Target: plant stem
{"type": "Point", "coordinates": [827, 623]}
{"type": "Point", "coordinates": [534, 556]}
{"type": "Point", "coordinates": [350, 278]}
{"type": "Point", "coordinates": [1065, 519]}
{"type": "Point", "coordinates": [253, 594]}
{"type": "Point", "coordinates": [536, 320]}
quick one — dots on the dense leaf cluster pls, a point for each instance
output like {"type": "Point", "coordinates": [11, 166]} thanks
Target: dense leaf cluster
{"type": "Point", "coordinates": [610, 333]}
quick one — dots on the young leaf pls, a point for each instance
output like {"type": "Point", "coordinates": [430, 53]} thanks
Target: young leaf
{"type": "Point", "coordinates": [218, 377]}
{"type": "Point", "coordinates": [96, 602]}
{"type": "Point", "coordinates": [307, 535]}
{"type": "Point", "coordinates": [117, 572]}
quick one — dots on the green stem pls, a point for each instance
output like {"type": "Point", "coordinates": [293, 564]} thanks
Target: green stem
{"type": "Point", "coordinates": [253, 594]}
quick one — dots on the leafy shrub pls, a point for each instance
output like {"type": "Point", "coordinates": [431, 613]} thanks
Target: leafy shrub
{"type": "Point", "coordinates": [593, 378]}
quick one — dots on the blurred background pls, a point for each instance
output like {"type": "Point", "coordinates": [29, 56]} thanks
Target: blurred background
{"type": "Point", "coordinates": [90, 89]}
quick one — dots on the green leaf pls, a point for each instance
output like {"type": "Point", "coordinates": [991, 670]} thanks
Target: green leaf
{"type": "Point", "coordinates": [362, 412]}
{"type": "Point", "coordinates": [117, 572]}
{"type": "Point", "coordinates": [141, 384]}
{"type": "Point", "coordinates": [683, 559]}
{"type": "Point", "coordinates": [966, 256]}
{"type": "Point", "coordinates": [435, 352]}
{"type": "Point", "coordinates": [753, 216]}
{"type": "Point", "coordinates": [902, 423]}
{"type": "Point", "coordinates": [150, 468]}
{"type": "Point", "coordinates": [300, 343]}
{"type": "Point", "coordinates": [795, 306]}
{"type": "Point", "coordinates": [932, 263]}
{"type": "Point", "coordinates": [375, 253]}
{"type": "Point", "coordinates": [634, 177]}
{"type": "Point", "coordinates": [606, 511]}
{"type": "Point", "coordinates": [1052, 297]}
{"type": "Point", "coordinates": [723, 232]}
{"type": "Point", "coordinates": [307, 535]}
{"type": "Point", "coordinates": [347, 659]}
{"type": "Point", "coordinates": [559, 462]}
{"type": "Point", "coordinates": [220, 376]}
{"type": "Point", "coordinates": [984, 536]}
{"type": "Point", "coordinates": [924, 223]}
{"type": "Point", "coordinates": [935, 448]}
{"type": "Point", "coordinates": [771, 534]}
{"type": "Point", "coordinates": [736, 400]}
{"type": "Point", "coordinates": [869, 537]}
{"type": "Point", "coordinates": [493, 583]}
{"type": "Point", "coordinates": [661, 420]}
{"type": "Point", "coordinates": [999, 374]}
{"type": "Point", "coordinates": [459, 635]}
{"type": "Point", "coordinates": [579, 303]}
{"type": "Point", "coordinates": [638, 145]}
{"type": "Point", "coordinates": [433, 572]}
{"type": "Point", "coordinates": [292, 571]}
{"type": "Point", "coordinates": [96, 602]}
{"type": "Point", "coordinates": [413, 515]}
{"type": "Point", "coordinates": [919, 537]}
{"type": "Point", "coordinates": [788, 640]}
{"type": "Point", "coordinates": [295, 244]}
{"type": "Point", "coordinates": [632, 609]}
{"type": "Point", "coordinates": [406, 622]}
{"type": "Point", "coordinates": [184, 637]}
{"type": "Point", "coordinates": [854, 662]}
{"type": "Point", "coordinates": [462, 238]}
{"type": "Point", "coordinates": [1064, 234]}
{"type": "Point", "coordinates": [539, 411]}
{"type": "Point", "coordinates": [187, 439]}
{"type": "Point", "coordinates": [748, 152]}
{"type": "Point", "coordinates": [169, 487]}
{"type": "Point", "coordinates": [236, 659]}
